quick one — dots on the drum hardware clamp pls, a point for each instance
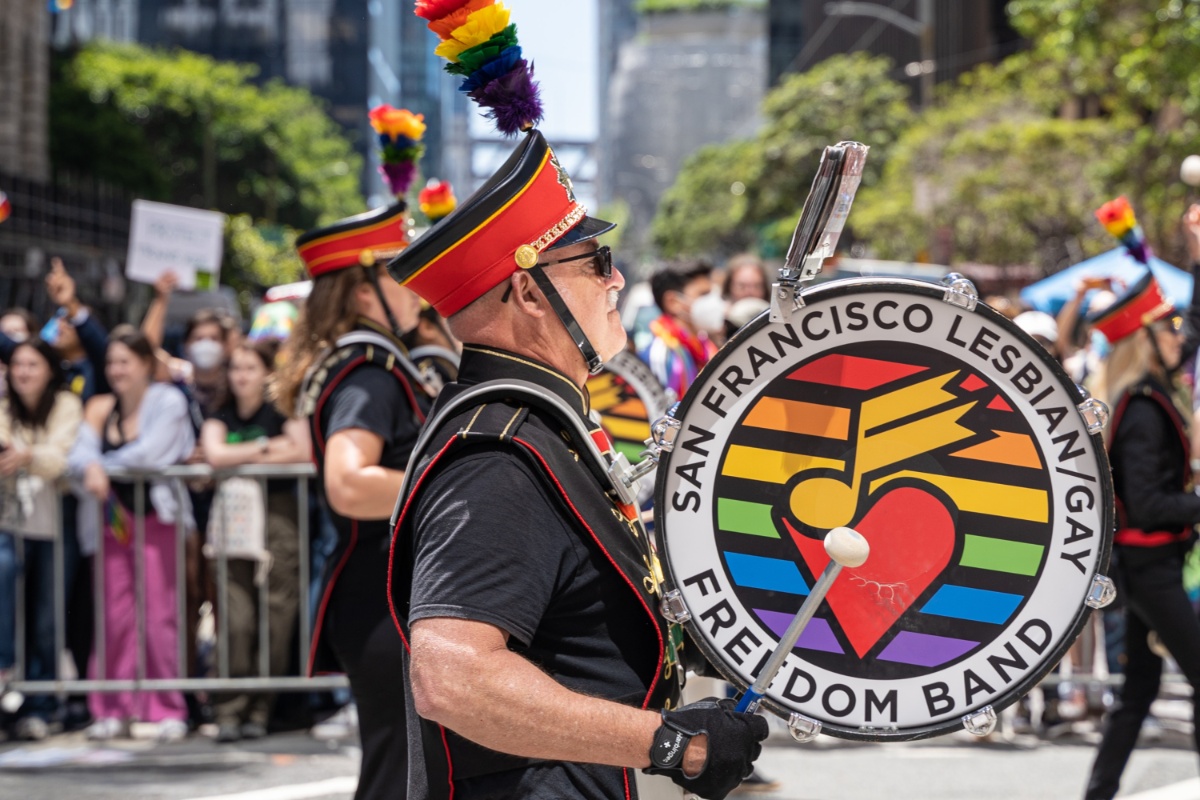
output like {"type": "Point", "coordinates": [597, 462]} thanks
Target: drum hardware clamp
{"type": "Point", "coordinates": [625, 476]}
{"type": "Point", "coordinates": [960, 292]}
{"type": "Point", "coordinates": [1102, 593]}
{"type": "Point", "coordinates": [981, 722]}
{"type": "Point", "coordinates": [803, 729]}
{"type": "Point", "coordinates": [1094, 412]}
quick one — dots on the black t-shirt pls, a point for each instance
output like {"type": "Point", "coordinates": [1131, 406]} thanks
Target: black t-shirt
{"type": "Point", "coordinates": [496, 544]}
{"type": "Point", "coordinates": [266, 421]}
{"type": "Point", "coordinates": [371, 398]}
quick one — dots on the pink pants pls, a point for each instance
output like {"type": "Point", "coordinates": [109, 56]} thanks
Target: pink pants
{"type": "Point", "coordinates": [121, 626]}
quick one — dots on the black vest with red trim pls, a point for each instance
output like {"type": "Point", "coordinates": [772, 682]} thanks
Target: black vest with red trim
{"type": "Point", "coordinates": [1136, 537]}
{"type": "Point", "coordinates": [366, 344]}
{"type": "Point", "coordinates": [534, 429]}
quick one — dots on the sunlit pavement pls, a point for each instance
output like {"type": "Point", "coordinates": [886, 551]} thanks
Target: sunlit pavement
{"type": "Point", "coordinates": [295, 766]}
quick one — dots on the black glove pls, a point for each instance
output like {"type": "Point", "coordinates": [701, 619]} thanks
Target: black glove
{"type": "Point", "coordinates": [733, 745]}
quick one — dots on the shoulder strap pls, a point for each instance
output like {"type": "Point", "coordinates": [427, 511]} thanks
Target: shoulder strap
{"type": "Point", "coordinates": [402, 358]}
{"type": "Point", "coordinates": [434, 351]}
{"type": "Point", "coordinates": [506, 389]}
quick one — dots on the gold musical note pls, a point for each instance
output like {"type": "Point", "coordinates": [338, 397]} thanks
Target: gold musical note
{"type": "Point", "coordinates": [826, 503]}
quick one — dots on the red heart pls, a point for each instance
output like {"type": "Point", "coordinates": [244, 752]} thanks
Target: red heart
{"type": "Point", "coordinates": [911, 534]}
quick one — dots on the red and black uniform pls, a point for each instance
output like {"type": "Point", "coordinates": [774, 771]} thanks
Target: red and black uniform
{"type": "Point", "coordinates": [365, 386]}
{"type": "Point", "coordinates": [1157, 509]}
{"type": "Point", "coordinates": [507, 523]}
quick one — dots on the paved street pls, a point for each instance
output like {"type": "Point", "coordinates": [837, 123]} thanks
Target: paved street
{"type": "Point", "coordinates": [294, 766]}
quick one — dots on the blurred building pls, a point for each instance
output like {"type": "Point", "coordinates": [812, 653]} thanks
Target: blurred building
{"type": "Point", "coordinates": [687, 79]}
{"type": "Point", "coordinates": [24, 89]}
{"type": "Point", "coordinates": [966, 33]}
{"type": "Point", "coordinates": [353, 54]}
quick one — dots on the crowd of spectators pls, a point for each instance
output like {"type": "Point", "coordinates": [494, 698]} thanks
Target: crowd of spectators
{"type": "Point", "coordinates": [80, 403]}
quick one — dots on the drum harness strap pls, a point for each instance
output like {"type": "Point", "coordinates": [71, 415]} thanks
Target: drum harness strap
{"type": "Point", "coordinates": [585, 445]}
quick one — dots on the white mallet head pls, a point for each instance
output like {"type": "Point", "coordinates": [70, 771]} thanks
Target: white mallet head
{"type": "Point", "coordinates": [11, 702]}
{"type": "Point", "coordinates": [1189, 171]}
{"type": "Point", "coordinates": [847, 547]}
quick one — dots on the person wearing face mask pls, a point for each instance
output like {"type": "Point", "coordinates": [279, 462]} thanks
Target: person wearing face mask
{"type": "Point", "coordinates": [678, 350]}
{"type": "Point", "coordinates": [1157, 508]}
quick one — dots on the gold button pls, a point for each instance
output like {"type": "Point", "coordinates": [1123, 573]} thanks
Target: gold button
{"type": "Point", "coordinates": [527, 256]}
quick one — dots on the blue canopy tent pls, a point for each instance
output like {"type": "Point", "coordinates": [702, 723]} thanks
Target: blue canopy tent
{"type": "Point", "coordinates": [1051, 294]}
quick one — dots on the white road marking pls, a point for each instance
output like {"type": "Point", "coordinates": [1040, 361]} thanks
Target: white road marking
{"type": "Point", "coordinates": [298, 791]}
{"type": "Point", "coordinates": [1184, 790]}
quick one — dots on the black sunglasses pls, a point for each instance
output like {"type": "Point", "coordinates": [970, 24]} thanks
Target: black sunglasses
{"type": "Point", "coordinates": [601, 263]}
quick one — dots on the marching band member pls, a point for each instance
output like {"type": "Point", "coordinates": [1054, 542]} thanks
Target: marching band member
{"type": "Point", "coordinates": [346, 370]}
{"type": "Point", "coordinates": [1152, 479]}
{"type": "Point", "coordinates": [539, 664]}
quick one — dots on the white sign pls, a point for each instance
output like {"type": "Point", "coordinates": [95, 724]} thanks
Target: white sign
{"type": "Point", "coordinates": [166, 238]}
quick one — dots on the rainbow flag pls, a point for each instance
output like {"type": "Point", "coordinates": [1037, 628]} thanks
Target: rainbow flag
{"type": "Point", "coordinates": [117, 518]}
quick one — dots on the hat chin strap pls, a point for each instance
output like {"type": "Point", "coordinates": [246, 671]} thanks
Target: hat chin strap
{"type": "Point", "coordinates": [373, 279]}
{"type": "Point", "coordinates": [594, 364]}
{"type": "Point", "coordinates": [1162, 362]}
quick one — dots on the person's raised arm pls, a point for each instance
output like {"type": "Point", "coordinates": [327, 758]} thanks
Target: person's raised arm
{"type": "Point", "coordinates": [155, 322]}
{"type": "Point", "coordinates": [60, 286]}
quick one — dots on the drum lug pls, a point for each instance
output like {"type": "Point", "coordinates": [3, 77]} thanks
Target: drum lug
{"type": "Point", "coordinates": [960, 292]}
{"type": "Point", "coordinates": [803, 729]}
{"type": "Point", "coordinates": [981, 723]}
{"type": "Point", "coordinates": [785, 299]}
{"type": "Point", "coordinates": [1102, 593]}
{"type": "Point", "coordinates": [673, 608]}
{"type": "Point", "coordinates": [663, 433]}
{"type": "Point", "coordinates": [625, 477]}
{"type": "Point", "coordinates": [1095, 414]}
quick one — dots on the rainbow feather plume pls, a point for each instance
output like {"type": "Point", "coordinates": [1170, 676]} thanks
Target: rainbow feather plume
{"type": "Point", "coordinates": [1118, 218]}
{"type": "Point", "coordinates": [400, 132]}
{"type": "Point", "coordinates": [480, 43]}
{"type": "Point", "coordinates": [437, 199]}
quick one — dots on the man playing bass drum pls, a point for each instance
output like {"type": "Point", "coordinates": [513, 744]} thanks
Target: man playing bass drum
{"type": "Point", "coordinates": [539, 663]}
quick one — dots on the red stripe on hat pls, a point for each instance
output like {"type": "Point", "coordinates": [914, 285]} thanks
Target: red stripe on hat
{"type": "Point", "coordinates": [482, 259]}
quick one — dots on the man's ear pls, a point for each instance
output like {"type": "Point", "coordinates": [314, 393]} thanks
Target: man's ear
{"type": "Point", "coordinates": [526, 296]}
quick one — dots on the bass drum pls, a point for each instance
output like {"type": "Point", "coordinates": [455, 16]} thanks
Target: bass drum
{"type": "Point", "coordinates": [950, 440]}
{"type": "Point", "coordinates": [627, 397]}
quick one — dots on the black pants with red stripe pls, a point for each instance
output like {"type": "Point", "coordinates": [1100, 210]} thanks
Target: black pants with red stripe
{"type": "Point", "coordinates": [358, 628]}
{"type": "Point", "coordinates": [1156, 601]}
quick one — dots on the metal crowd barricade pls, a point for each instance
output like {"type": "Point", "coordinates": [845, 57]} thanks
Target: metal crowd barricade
{"type": "Point", "coordinates": [223, 682]}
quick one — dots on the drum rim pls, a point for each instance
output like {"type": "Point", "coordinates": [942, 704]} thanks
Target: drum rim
{"type": "Point", "coordinates": [849, 286]}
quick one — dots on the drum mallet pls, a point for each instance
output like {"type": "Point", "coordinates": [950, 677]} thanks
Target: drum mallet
{"type": "Point", "coordinates": [845, 547]}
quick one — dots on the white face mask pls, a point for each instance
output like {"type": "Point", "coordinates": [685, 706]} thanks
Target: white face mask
{"type": "Point", "coordinates": [205, 354]}
{"type": "Point", "coordinates": [708, 312]}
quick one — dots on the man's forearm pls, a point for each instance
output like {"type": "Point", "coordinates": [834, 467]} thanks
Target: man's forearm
{"type": "Point", "coordinates": [502, 701]}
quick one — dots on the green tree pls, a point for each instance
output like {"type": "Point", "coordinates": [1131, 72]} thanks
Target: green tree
{"type": "Point", "coordinates": [1133, 64]}
{"type": "Point", "coordinates": [1009, 184]}
{"type": "Point", "coordinates": [729, 197]}
{"type": "Point", "coordinates": [184, 128]}
{"type": "Point", "coordinates": [705, 211]}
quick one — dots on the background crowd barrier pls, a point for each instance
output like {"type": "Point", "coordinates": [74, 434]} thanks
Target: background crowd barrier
{"type": "Point", "coordinates": [1085, 668]}
{"type": "Point", "coordinates": [183, 681]}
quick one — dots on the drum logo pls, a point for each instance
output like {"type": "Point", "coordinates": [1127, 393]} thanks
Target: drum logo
{"type": "Point", "coordinates": [943, 439]}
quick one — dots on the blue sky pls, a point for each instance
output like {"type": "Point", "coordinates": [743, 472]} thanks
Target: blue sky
{"type": "Point", "coordinates": [560, 37]}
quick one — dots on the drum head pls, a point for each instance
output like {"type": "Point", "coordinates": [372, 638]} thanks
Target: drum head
{"type": "Point", "coordinates": [949, 439]}
{"type": "Point", "coordinates": [628, 398]}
